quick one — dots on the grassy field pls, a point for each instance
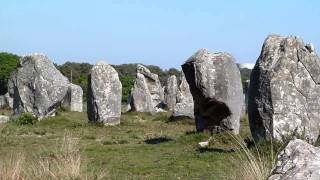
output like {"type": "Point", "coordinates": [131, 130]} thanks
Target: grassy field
{"type": "Point", "coordinates": [143, 146]}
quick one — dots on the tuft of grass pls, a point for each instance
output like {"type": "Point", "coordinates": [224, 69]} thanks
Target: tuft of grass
{"type": "Point", "coordinates": [26, 119]}
{"type": "Point", "coordinates": [257, 160]}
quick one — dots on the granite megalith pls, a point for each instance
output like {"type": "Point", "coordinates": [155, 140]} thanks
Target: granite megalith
{"type": "Point", "coordinates": [284, 92]}
{"type": "Point", "coordinates": [37, 86]}
{"type": "Point", "coordinates": [104, 95]}
{"type": "Point", "coordinates": [147, 94]}
{"type": "Point", "coordinates": [184, 106]}
{"type": "Point", "coordinates": [171, 92]}
{"type": "Point", "coordinates": [215, 84]}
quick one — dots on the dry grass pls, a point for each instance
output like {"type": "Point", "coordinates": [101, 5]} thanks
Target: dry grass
{"type": "Point", "coordinates": [256, 164]}
{"type": "Point", "coordinates": [64, 163]}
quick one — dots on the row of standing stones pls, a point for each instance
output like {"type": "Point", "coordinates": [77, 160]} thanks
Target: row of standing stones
{"type": "Point", "coordinates": [283, 96]}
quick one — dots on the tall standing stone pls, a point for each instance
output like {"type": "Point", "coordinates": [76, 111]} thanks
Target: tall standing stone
{"type": "Point", "coordinates": [184, 106]}
{"type": "Point", "coordinates": [147, 93]}
{"type": "Point", "coordinates": [215, 84]}
{"type": "Point", "coordinates": [37, 86]}
{"type": "Point", "coordinates": [171, 92]}
{"type": "Point", "coordinates": [73, 99]}
{"type": "Point", "coordinates": [284, 92]}
{"type": "Point", "coordinates": [104, 94]}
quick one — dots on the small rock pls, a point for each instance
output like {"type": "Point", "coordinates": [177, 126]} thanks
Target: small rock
{"type": "Point", "coordinates": [204, 144]}
{"type": "Point", "coordinates": [4, 119]}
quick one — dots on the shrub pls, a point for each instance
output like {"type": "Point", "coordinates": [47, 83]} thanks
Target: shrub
{"type": "Point", "coordinates": [26, 119]}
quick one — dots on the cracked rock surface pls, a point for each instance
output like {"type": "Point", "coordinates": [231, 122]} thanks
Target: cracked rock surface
{"type": "Point", "coordinates": [215, 85]}
{"type": "Point", "coordinates": [298, 161]}
{"type": "Point", "coordinates": [37, 86]}
{"type": "Point", "coordinates": [104, 94]}
{"type": "Point", "coordinates": [284, 93]}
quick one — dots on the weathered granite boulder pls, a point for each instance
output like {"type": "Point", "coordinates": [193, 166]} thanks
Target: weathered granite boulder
{"type": "Point", "coordinates": [215, 84]}
{"type": "Point", "coordinates": [104, 94]}
{"type": "Point", "coordinates": [9, 100]}
{"type": "Point", "coordinates": [4, 119]}
{"type": "Point", "coordinates": [184, 106]}
{"type": "Point", "coordinates": [171, 92]}
{"type": "Point", "coordinates": [73, 98]}
{"type": "Point", "coordinates": [147, 93]}
{"type": "Point", "coordinates": [284, 92]}
{"type": "Point", "coordinates": [37, 86]}
{"type": "Point", "coordinates": [298, 161]}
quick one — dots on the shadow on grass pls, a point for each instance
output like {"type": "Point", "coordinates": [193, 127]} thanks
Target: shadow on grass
{"type": "Point", "coordinates": [157, 140]}
{"type": "Point", "coordinates": [191, 132]}
{"type": "Point", "coordinates": [219, 150]}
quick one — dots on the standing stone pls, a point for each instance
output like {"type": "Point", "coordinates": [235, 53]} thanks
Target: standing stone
{"type": "Point", "coordinates": [37, 86]}
{"type": "Point", "coordinates": [9, 100]}
{"type": "Point", "coordinates": [246, 94]}
{"type": "Point", "coordinates": [73, 99]}
{"type": "Point", "coordinates": [3, 102]}
{"type": "Point", "coordinates": [147, 93]}
{"type": "Point", "coordinates": [298, 161]}
{"type": "Point", "coordinates": [215, 84]}
{"type": "Point", "coordinates": [184, 106]}
{"type": "Point", "coordinates": [284, 92]}
{"type": "Point", "coordinates": [171, 92]}
{"type": "Point", "coordinates": [104, 94]}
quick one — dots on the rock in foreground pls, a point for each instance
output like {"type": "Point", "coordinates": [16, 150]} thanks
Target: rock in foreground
{"type": "Point", "coordinates": [215, 84]}
{"type": "Point", "coordinates": [284, 92]}
{"type": "Point", "coordinates": [37, 86]}
{"type": "Point", "coordinates": [4, 119]}
{"type": "Point", "coordinates": [298, 161]}
{"type": "Point", "coordinates": [104, 94]}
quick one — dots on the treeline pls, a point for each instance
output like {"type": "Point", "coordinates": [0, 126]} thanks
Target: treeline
{"type": "Point", "coordinates": [77, 73]}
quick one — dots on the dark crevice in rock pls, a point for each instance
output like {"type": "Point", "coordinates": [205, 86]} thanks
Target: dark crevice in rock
{"type": "Point", "coordinates": [299, 60]}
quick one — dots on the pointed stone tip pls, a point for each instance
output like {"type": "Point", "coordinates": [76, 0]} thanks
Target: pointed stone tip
{"type": "Point", "coordinates": [101, 62]}
{"type": "Point", "coordinates": [36, 54]}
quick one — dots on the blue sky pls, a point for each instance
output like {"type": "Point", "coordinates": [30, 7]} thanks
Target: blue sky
{"type": "Point", "coordinates": [158, 32]}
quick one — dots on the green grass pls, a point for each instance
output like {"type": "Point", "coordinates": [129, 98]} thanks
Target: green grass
{"type": "Point", "coordinates": [143, 146]}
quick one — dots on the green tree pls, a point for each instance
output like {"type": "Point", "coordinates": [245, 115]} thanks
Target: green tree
{"type": "Point", "coordinates": [127, 83]}
{"type": "Point", "coordinates": [8, 63]}
{"type": "Point", "coordinates": [79, 72]}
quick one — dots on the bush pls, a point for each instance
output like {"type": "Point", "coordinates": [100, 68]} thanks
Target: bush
{"type": "Point", "coordinates": [8, 63]}
{"type": "Point", "coordinates": [25, 119]}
